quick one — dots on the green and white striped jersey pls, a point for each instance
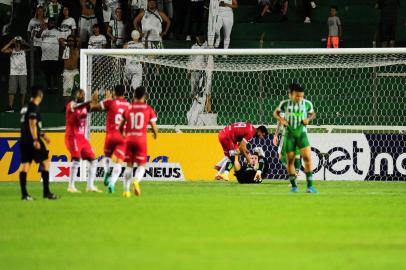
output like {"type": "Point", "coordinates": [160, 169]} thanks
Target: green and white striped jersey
{"type": "Point", "coordinates": [295, 113]}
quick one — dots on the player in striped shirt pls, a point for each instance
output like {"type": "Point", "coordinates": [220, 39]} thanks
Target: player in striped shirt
{"type": "Point", "coordinates": [295, 114]}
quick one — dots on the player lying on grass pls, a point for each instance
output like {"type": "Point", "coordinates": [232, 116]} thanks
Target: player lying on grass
{"type": "Point", "coordinates": [76, 142]}
{"type": "Point", "coordinates": [134, 127]}
{"type": "Point", "coordinates": [295, 114]}
{"type": "Point", "coordinates": [233, 140]}
{"type": "Point", "coordinates": [254, 171]}
{"type": "Point", "coordinates": [114, 145]}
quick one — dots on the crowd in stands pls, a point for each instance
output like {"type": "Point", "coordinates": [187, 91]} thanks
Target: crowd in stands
{"type": "Point", "coordinates": [59, 28]}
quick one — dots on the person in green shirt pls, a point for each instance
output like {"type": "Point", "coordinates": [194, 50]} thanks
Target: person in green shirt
{"type": "Point", "coordinates": [295, 114]}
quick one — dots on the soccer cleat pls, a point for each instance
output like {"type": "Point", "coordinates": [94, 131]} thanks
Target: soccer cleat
{"type": "Point", "coordinates": [93, 189]}
{"type": "Point", "coordinates": [294, 190]}
{"type": "Point", "coordinates": [27, 198]}
{"type": "Point", "coordinates": [110, 188]}
{"type": "Point", "coordinates": [126, 194]}
{"type": "Point", "coordinates": [222, 176]}
{"type": "Point", "coordinates": [307, 20]}
{"type": "Point", "coordinates": [136, 188]}
{"type": "Point", "coordinates": [311, 190]}
{"type": "Point", "coordinates": [218, 177]}
{"type": "Point", "coordinates": [73, 190]}
{"type": "Point", "coordinates": [50, 196]}
{"type": "Point", "coordinates": [106, 179]}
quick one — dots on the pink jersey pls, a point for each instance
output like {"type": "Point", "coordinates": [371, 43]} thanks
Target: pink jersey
{"type": "Point", "coordinates": [115, 109]}
{"type": "Point", "coordinates": [76, 120]}
{"type": "Point", "coordinates": [239, 131]}
{"type": "Point", "coordinates": [138, 116]}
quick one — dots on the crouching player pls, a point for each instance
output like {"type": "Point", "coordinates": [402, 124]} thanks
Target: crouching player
{"type": "Point", "coordinates": [136, 119]}
{"type": "Point", "coordinates": [255, 171]}
{"type": "Point", "coordinates": [233, 140]}
{"type": "Point", "coordinates": [76, 142]}
{"type": "Point", "coordinates": [114, 143]}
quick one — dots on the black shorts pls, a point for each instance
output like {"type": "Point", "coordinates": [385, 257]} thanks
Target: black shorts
{"type": "Point", "coordinates": [29, 153]}
{"type": "Point", "coordinates": [246, 177]}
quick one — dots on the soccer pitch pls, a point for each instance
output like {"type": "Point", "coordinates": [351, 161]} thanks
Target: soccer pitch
{"type": "Point", "coordinates": [207, 225]}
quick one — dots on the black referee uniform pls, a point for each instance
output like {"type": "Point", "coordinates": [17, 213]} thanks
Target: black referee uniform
{"type": "Point", "coordinates": [29, 153]}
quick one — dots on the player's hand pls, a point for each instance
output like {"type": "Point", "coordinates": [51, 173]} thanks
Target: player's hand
{"type": "Point", "coordinates": [306, 121]}
{"type": "Point", "coordinates": [47, 139]}
{"type": "Point", "coordinates": [37, 145]}
{"type": "Point", "coordinates": [162, 34]}
{"type": "Point", "coordinates": [108, 94]}
{"type": "Point", "coordinates": [258, 177]}
{"type": "Point", "coordinates": [284, 122]}
{"type": "Point", "coordinates": [154, 136]}
{"type": "Point", "coordinates": [275, 140]}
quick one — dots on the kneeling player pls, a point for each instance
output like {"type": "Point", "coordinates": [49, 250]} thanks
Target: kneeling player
{"type": "Point", "coordinates": [136, 119]}
{"type": "Point", "coordinates": [233, 140]}
{"type": "Point", "coordinates": [255, 171]}
{"type": "Point", "coordinates": [114, 143]}
{"type": "Point", "coordinates": [76, 142]}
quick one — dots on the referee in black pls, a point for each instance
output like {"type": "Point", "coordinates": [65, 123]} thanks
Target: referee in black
{"type": "Point", "coordinates": [31, 145]}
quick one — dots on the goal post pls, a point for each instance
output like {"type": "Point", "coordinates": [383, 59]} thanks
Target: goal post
{"type": "Point", "coordinates": [359, 95]}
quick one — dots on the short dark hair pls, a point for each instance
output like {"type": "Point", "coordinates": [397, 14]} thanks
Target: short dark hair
{"type": "Point", "coordinates": [96, 25]}
{"type": "Point", "coordinates": [140, 92]}
{"type": "Point", "coordinates": [334, 7]}
{"type": "Point", "coordinates": [119, 90]}
{"type": "Point", "coordinates": [263, 129]}
{"type": "Point", "coordinates": [294, 87]}
{"type": "Point", "coordinates": [36, 90]}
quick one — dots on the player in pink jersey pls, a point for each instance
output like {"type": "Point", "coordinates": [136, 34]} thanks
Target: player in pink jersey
{"type": "Point", "coordinates": [114, 142]}
{"type": "Point", "coordinates": [136, 119]}
{"type": "Point", "coordinates": [233, 140]}
{"type": "Point", "coordinates": [76, 142]}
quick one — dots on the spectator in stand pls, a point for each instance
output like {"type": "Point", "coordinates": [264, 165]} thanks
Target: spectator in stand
{"type": "Point", "coordinates": [53, 9]}
{"type": "Point", "coordinates": [6, 16]}
{"type": "Point", "coordinates": [117, 30]}
{"type": "Point", "coordinates": [87, 20]}
{"type": "Point", "coordinates": [137, 6]}
{"type": "Point", "coordinates": [335, 30]}
{"type": "Point", "coordinates": [149, 23]}
{"type": "Point", "coordinates": [194, 18]}
{"type": "Point", "coordinates": [97, 40]}
{"type": "Point", "coordinates": [308, 5]}
{"type": "Point", "coordinates": [70, 56]}
{"type": "Point", "coordinates": [109, 6]}
{"type": "Point", "coordinates": [36, 24]}
{"type": "Point", "coordinates": [50, 54]}
{"type": "Point", "coordinates": [389, 17]}
{"type": "Point", "coordinates": [66, 24]}
{"type": "Point", "coordinates": [17, 48]}
{"type": "Point", "coordinates": [225, 21]}
{"type": "Point", "coordinates": [264, 6]}
{"type": "Point", "coordinates": [167, 7]}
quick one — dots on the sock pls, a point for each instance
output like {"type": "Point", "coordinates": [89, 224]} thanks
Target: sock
{"type": "Point", "coordinates": [107, 162]}
{"type": "Point", "coordinates": [223, 167]}
{"type": "Point", "coordinates": [23, 184]}
{"type": "Point", "coordinates": [73, 172]}
{"type": "Point", "coordinates": [127, 178]}
{"type": "Point", "coordinates": [92, 174]}
{"type": "Point", "coordinates": [45, 182]}
{"type": "Point", "coordinates": [298, 164]}
{"type": "Point", "coordinates": [229, 166]}
{"type": "Point", "coordinates": [292, 179]}
{"type": "Point", "coordinates": [309, 179]}
{"type": "Point", "coordinates": [116, 173]}
{"type": "Point", "coordinates": [222, 162]}
{"type": "Point", "coordinates": [139, 173]}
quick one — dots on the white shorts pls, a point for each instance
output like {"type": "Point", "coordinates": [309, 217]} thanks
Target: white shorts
{"type": "Point", "coordinates": [68, 81]}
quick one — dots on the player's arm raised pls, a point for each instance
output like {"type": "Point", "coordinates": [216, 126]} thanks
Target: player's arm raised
{"type": "Point", "coordinates": [95, 105]}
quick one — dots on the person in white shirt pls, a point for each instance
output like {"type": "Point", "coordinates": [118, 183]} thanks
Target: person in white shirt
{"type": "Point", "coordinates": [50, 54]}
{"type": "Point", "coordinates": [36, 24]}
{"type": "Point", "coordinates": [225, 21]}
{"type": "Point", "coordinates": [87, 20]}
{"type": "Point", "coordinates": [197, 65]}
{"type": "Point", "coordinates": [67, 24]}
{"type": "Point", "coordinates": [97, 40]}
{"type": "Point", "coordinates": [133, 67]}
{"type": "Point", "coordinates": [117, 30]}
{"type": "Point", "coordinates": [17, 49]}
{"type": "Point", "coordinates": [150, 22]}
{"type": "Point", "coordinates": [70, 56]}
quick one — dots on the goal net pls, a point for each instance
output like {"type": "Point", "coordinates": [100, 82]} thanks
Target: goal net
{"type": "Point", "coordinates": [359, 96]}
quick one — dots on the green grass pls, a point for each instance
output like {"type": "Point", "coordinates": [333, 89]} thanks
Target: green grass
{"type": "Point", "coordinates": [207, 225]}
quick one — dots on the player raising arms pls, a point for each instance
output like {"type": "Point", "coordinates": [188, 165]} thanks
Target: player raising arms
{"type": "Point", "coordinates": [76, 142]}
{"type": "Point", "coordinates": [114, 143]}
{"type": "Point", "coordinates": [136, 119]}
{"type": "Point", "coordinates": [295, 114]}
{"type": "Point", "coordinates": [233, 140]}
